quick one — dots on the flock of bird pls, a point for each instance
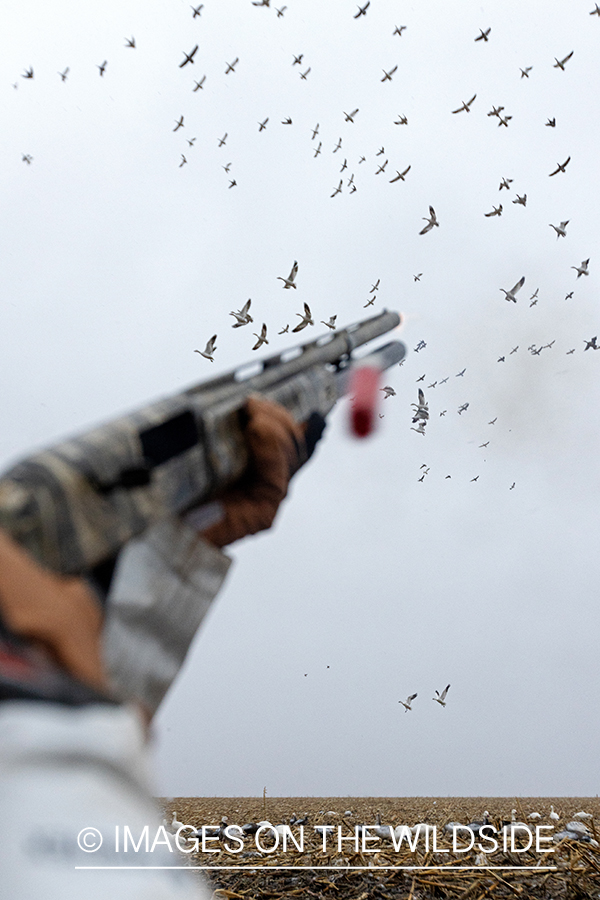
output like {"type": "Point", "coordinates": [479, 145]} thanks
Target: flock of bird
{"type": "Point", "coordinates": [439, 698]}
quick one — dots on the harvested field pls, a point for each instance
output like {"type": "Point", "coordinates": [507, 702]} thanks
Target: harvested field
{"type": "Point", "coordinates": [427, 870]}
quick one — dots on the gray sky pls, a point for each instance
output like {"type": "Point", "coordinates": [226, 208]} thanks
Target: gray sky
{"type": "Point", "coordinates": [117, 264]}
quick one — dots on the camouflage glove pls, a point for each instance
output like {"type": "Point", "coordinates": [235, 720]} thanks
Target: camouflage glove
{"type": "Point", "coordinates": [277, 447]}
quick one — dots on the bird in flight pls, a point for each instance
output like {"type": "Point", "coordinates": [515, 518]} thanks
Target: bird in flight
{"type": "Point", "coordinates": [387, 76]}
{"type": "Point", "coordinates": [375, 287]}
{"type": "Point", "coordinates": [474, 479]}
{"type": "Point", "coordinates": [183, 161]}
{"type": "Point", "coordinates": [231, 66]}
{"type": "Point", "coordinates": [304, 74]}
{"type": "Point", "coordinates": [483, 445]}
{"type": "Point", "coordinates": [431, 221]}
{"type": "Point", "coordinates": [560, 167]}
{"type": "Point", "coordinates": [281, 11]}
{"type": "Point", "coordinates": [284, 330]}
{"type": "Point", "coordinates": [525, 72]}
{"type": "Point", "coordinates": [178, 124]}
{"type": "Point", "coordinates": [210, 348]}
{"type": "Point", "coordinates": [196, 10]}
{"type": "Point", "coordinates": [496, 211]}
{"type": "Point", "coordinates": [441, 698]}
{"type": "Point", "coordinates": [495, 111]}
{"type": "Point", "coordinates": [261, 2]}
{"type": "Point", "coordinates": [381, 168]}
{"type": "Point", "coordinates": [506, 182]}
{"type": "Point", "coordinates": [344, 165]}
{"type": "Point", "coordinates": [189, 57]}
{"type": "Point", "coordinates": [338, 189]}
{"type": "Point", "coordinates": [458, 374]}
{"type": "Point", "coordinates": [388, 391]}
{"type": "Point", "coordinates": [551, 123]}
{"type": "Point", "coordinates": [64, 74]}
{"type": "Point", "coordinates": [200, 84]}
{"type": "Point", "coordinates": [307, 319]}
{"type": "Point", "coordinates": [26, 158]}
{"type": "Point", "coordinates": [232, 183]}
{"type": "Point", "coordinates": [298, 60]}
{"type": "Point", "coordinates": [350, 116]}
{"type": "Point", "coordinates": [130, 42]}
{"type": "Point", "coordinates": [465, 106]}
{"type": "Point", "coordinates": [463, 408]}
{"type": "Point", "coordinates": [510, 295]}
{"type": "Point", "coordinates": [370, 302]}
{"type": "Point", "coordinates": [287, 121]}
{"type": "Point", "coordinates": [318, 150]}
{"type": "Point", "coordinates": [583, 268]}
{"type": "Point", "coordinates": [560, 63]}
{"type": "Point", "coordinates": [569, 296]}
{"type": "Point", "coordinates": [337, 146]}
{"type": "Point", "coordinates": [504, 120]}
{"type": "Point", "coordinates": [315, 132]}
{"type": "Point", "coordinates": [522, 200]}
{"type": "Point", "coordinates": [102, 68]}
{"type": "Point", "coordinates": [262, 337]}
{"type": "Point", "coordinates": [406, 703]}
{"type": "Point", "coordinates": [591, 344]}
{"type": "Point", "coordinates": [289, 281]}
{"type": "Point", "coordinates": [483, 35]}
{"type": "Point", "coordinates": [561, 230]}
{"type": "Point", "coordinates": [399, 175]}
{"type": "Point", "coordinates": [399, 30]}
{"type": "Point", "coordinates": [331, 323]}
{"type": "Point", "coordinates": [222, 141]}
{"type": "Point", "coordinates": [402, 120]}
{"type": "Point", "coordinates": [596, 11]}
{"type": "Point", "coordinates": [243, 316]}
{"type": "Point", "coordinates": [362, 10]}
{"type": "Point", "coordinates": [28, 73]}
{"type": "Point", "coordinates": [262, 125]}
{"type": "Point", "coordinates": [418, 278]}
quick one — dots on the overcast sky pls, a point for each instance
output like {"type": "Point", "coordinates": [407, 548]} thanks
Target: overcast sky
{"type": "Point", "coordinates": [118, 261]}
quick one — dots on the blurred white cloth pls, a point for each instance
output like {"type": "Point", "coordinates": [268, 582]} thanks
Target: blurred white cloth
{"type": "Point", "coordinates": [73, 774]}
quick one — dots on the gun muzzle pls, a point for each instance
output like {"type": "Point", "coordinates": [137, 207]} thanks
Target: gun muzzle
{"type": "Point", "coordinates": [363, 385]}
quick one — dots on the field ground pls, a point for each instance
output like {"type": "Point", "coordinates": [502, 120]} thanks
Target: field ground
{"type": "Point", "coordinates": [572, 871]}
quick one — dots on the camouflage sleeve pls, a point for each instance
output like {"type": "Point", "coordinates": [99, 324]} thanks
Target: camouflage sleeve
{"type": "Point", "coordinates": [163, 586]}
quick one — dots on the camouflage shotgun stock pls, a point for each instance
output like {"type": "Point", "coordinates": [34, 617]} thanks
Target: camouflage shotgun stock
{"type": "Point", "coordinates": [77, 503]}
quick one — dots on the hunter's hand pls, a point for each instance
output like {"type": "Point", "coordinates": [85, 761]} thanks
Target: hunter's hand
{"type": "Point", "coordinates": [277, 447]}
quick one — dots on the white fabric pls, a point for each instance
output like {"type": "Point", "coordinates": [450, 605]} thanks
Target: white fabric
{"type": "Point", "coordinates": [64, 770]}
{"type": "Point", "coordinates": [163, 586]}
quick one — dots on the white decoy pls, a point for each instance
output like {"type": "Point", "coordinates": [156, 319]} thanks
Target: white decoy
{"type": "Point", "coordinates": [175, 824]}
{"type": "Point", "coordinates": [534, 815]}
{"type": "Point", "coordinates": [583, 815]}
{"type": "Point", "coordinates": [554, 815]}
{"type": "Point", "coordinates": [382, 831]}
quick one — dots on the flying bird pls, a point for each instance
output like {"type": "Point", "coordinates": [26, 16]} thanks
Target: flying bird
{"type": "Point", "coordinates": [281, 11]}
{"type": "Point", "coordinates": [298, 60]}
{"type": "Point", "coordinates": [287, 121]}
{"type": "Point", "coordinates": [284, 330]}
{"type": "Point", "coordinates": [522, 200]}
{"type": "Point", "coordinates": [591, 344]}
{"type": "Point", "coordinates": [199, 84]}
{"type": "Point", "coordinates": [262, 337]}
{"type": "Point", "coordinates": [243, 316]}
{"type": "Point", "coordinates": [263, 125]}
{"type": "Point", "coordinates": [465, 106]}
{"type": "Point", "coordinates": [210, 348]}
{"type": "Point", "coordinates": [496, 211]}
{"type": "Point", "coordinates": [399, 175]}
{"type": "Point", "coordinates": [289, 281]}
{"type": "Point", "coordinates": [495, 111]}
{"type": "Point", "coordinates": [375, 287]}
{"type": "Point", "coordinates": [232, 183]}
{"type": "Point", "coordinates": [304, 74]}
{"type": "Point", "coordinates": [399, 30]}
{"type": "Point", "coordinates": [222, 140]}
{"type": "Point", "coordinates": [483, 35]}
{"type": "Point", "coordinates": [381, 168]}
{"type": "Point", "coordinates": [402, 120]}
{"type": "Point", "coordinates": [331, 323]}
{"type": "Point", "coordinates": [28, 73]}
{"type": "Point", "coordinates": [26, 158]}
{"type": "Point", "coordinates": [583, 268]}
{"type": "Point", "coordinates": [510, 295]}
{"type": "Point", "coordinates": [196, 10]}
{"type": "Point", "coordinates": [362, 10]}
{"type": "Point", "coordinates": [102, 68]}
{"type": "Point", "coordinates": [406, 703]}
{"type": "Point", "coordinates": [183, 161]}
{"type": "Point", "coordinates": [388, 391]}
{"type": "Point", "coordinates": [441, 698]}
{"type": "Point", "coordinates": [561, 230]}
{"type": "Point", "coordinates": [350, 116]}
{"type": "Point", "coordinates": [178, 124]}
{"type": "Point", "coordinates": [315, 132]}
{"type": "Point", "coordinates": [64, 74]}
{"type": "Point", "coordinates": [551, 123]}
{"type": "Point", "coordinates": [387, 76]}
{"type": "Point", "coordinates": [307, 319]}
{"type": "Point", "coordinates": [506, 182]}
{"type": "Point", "coordinates": [560, 167]}
{"type": "Point", "coordinates": [337, 146]}
{"type": "Point", "coordinates": [338, 189]}
{"type": "Point", "coordinates": [560, 63]}
{"type": "Point", "coordinates": [130, 42]}
{"type": "Point", "coordinates": [318, 150]}
{"type": "Point", "coordinates": [231, 66]}
{"type": "Point", "coordinates": [596, 11]}
{"type": "Point", "coordinates": [431, 221]}
{"type": "Point", "coordinates": [189, 57]}
{"type": "Point", "coordinates": [525, 72]}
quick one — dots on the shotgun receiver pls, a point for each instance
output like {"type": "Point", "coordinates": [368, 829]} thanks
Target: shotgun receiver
{"type": "Point", "coordinates": [74, 505]}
